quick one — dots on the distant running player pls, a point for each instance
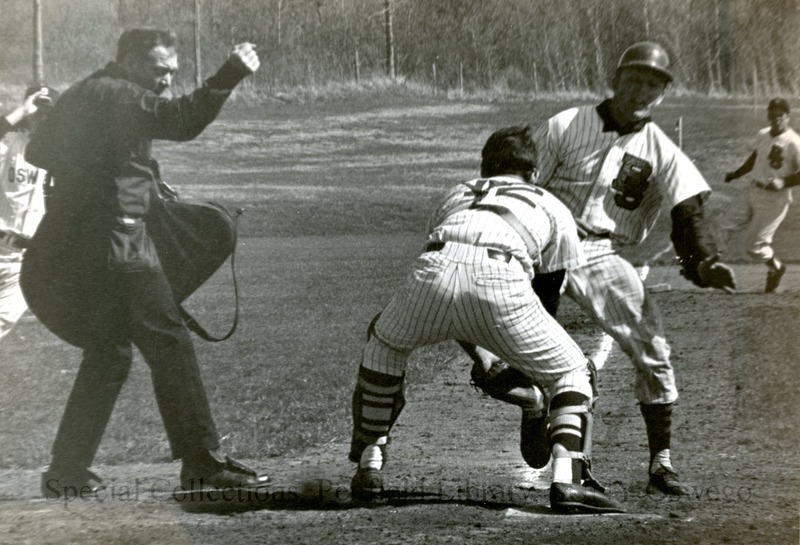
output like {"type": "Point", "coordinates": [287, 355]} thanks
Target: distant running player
{"type": "Point", "coordinates": [472, 283]}
{"type": "Point", "coordinates": [776, 155]}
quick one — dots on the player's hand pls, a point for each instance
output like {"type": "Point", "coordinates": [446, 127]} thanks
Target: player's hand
{"type": "Point", "coordinates": [245, 55]}
{"type": "Point", "coordinates": [29, 108]}
{"type": "Point", "coordinates": [775, 184]}
{"type": "Point", "coordinates": [716, 274]}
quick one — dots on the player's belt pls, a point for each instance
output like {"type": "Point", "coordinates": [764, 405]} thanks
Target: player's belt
{"type": "Point", "coordinates": [492, 253]}
{"type": "Point", "coordinates": [11, 239]}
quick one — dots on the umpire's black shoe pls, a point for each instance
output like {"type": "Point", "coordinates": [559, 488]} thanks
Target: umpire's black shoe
{"type": "Point", "coordinates": [568, 498]}
{"type": "Point", "coordinates": [666, 481]}
{"type": "Point", "coordinates": [229, 474]}
{"type": "Point", "coordinates": [70, 484]}
{"type": "Point", "coordinates": [366, 484]}
{"type": "Point", "coordinates": [533, 442]}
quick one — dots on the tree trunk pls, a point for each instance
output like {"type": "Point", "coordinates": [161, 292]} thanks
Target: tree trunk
{"type": "Point", "coordinates": [198, 65]}
{"type": "Point", "coordinates": [390, 70]}
{"type": "Point", "coordinates": [38, 62]}
{"type": "Point", "coordinates": [278, 24]}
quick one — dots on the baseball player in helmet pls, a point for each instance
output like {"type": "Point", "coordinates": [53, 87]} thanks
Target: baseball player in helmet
{"type": "Point", "coordinates": [472, 284]}
{"type": "Point", "coordinates": [21, 198]}
{"type": "Point", "coordinates": [776, 155]}
{"type": "Point", "coordinates": [616, 170]}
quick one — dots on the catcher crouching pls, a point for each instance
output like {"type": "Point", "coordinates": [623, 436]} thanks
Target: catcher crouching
{"type": "Point", "coordinates": [488, 239]}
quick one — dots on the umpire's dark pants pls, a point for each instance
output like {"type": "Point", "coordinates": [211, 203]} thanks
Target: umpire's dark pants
{"type": "Point", "coordinates": [135, 309]}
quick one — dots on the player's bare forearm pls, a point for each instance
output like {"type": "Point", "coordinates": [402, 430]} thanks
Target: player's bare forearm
{"type": "Point", "coordinates": [746, 167]}
{"type": "Point", "coordinates": [792, 180]}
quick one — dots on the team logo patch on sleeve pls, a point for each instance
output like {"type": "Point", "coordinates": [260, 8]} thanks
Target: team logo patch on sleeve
{"type": "Point", "coordinates": [631, 182]}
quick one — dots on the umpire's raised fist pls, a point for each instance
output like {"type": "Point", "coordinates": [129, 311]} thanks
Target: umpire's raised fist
{"type": "Point", "coordinates": [245, 53]}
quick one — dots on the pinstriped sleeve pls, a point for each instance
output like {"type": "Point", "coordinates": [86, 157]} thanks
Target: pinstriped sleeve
{"type": "Point", "coordinates": [546, 152]}
{"type": "Point", "coordinates": [564, 250]}
{"type": "Point", "coordinates": [453, 198]}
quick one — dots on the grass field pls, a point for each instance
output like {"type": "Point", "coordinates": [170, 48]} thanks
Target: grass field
{"type": "Point", "coordinates": [377, 166]}
{"type": "Point", "coordinates": [337, 196]}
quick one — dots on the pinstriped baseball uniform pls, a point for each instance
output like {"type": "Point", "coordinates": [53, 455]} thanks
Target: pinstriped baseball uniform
{"type": "Point", "coordinates": [475, 285]}
{"type": "Point", "coordinates": [762, 210]}
{"type": "Point", "coordinates": [589, 166]}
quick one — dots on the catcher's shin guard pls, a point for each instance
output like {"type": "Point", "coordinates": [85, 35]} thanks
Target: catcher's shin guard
{"type": "Point", "coordinates": [378, 399]}
{"type": "Point", "coordinates": [571, 423]}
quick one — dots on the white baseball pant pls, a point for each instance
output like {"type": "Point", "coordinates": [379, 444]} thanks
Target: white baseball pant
{"type": "Point", "coordinates": [761, 212]}
{"type": "Point", "coordinates": [461, 293]}
{"type": "Point", "coordinates": [610, 289]}
{"type": "Point", "coordinates": [12, 303]}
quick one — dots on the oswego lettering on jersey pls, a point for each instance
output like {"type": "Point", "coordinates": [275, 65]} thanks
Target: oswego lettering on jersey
{"type": "Point", "coordinates": [22, 201]}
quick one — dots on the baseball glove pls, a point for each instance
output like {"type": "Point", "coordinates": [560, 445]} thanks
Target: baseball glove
{"type": "Point", "coordinates": [716, 275]}
{"type": "Point", "coordinates": [505, 383]}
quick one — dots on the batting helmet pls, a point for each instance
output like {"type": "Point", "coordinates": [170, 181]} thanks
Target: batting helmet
{"type": "Point", "coordinates": [648, 55]}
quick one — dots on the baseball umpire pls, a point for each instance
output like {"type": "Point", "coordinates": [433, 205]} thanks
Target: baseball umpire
{"type": "Point", "coordinates": [472, 284]}
{"type": "Point", "coordinates": [615, 170]}
{"type": "Point", "coordinates": [97, 143]}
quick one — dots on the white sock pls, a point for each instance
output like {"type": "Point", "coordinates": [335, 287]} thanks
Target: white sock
{"type": "Point", "coordinates": [372, 457]}
{"type": "Point", "coordinates": [562, 470]}
{"type": "Point", "coordinates": [661, 459]}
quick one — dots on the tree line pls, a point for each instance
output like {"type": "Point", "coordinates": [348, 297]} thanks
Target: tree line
{"type": "Point", "coordinates": [728, 47]}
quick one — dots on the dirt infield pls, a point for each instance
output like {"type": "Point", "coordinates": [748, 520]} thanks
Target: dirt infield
{"type": "Point", "coordinates": [456, 476]}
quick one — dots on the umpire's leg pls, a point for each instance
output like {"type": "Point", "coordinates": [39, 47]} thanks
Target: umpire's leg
{"type": "Point", "coordinates": [159, 333]}
{"type": "Point", "coordinates": [100, 377]}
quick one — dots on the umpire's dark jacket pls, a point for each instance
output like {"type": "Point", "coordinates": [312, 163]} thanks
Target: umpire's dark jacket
{"type": "Point", "coordinates": [96, 144]}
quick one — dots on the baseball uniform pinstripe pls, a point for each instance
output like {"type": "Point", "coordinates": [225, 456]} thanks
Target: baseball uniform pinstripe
{"type": "Point", "coordinates": [762, 210]}
{"type": "Point", "coordinates": [588, 165]}
{"type": "Point", "coordinates": [462, 291]}
{"type": "Point", "coordinates": [21, 209]}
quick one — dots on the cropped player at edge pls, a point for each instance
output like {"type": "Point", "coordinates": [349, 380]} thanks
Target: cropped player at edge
{"type": "Point", "coordinates": [472, 283]}
{"type": "Point", "coordinates": [615, 170]}
{"type": "Point", "coordinates": [22, 188]}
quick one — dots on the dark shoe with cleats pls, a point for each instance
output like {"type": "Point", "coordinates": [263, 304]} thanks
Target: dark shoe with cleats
{"type": "Point", "coordinates": [568, 498]}
{"type": "Point", "coordinates": [533, 442]}
{"type": "Point", "coordinates": [230, 474]}
{"type": "Point", "coordinates": [70, 484]}
{"type": "Point", "coordinates": [366, 484]}
{"type": "Point", "coordinates": [666, 481]}
{"type": "Point", "coordinates": [774, 278]}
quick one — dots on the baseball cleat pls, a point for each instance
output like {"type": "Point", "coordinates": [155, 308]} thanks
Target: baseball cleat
{"type": "Point", "coordinates": [568, 498]}
{"type": "Point", "coordinates": [366, 484]}
{"type": "Point", "coordinates": [774, 278]}
{"type": "Point", "coordinates": [533, 442]}
{"type": "Point", "coordinates": [667, 482]}
{"type": "Point", "coordinates": [80, 483]}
